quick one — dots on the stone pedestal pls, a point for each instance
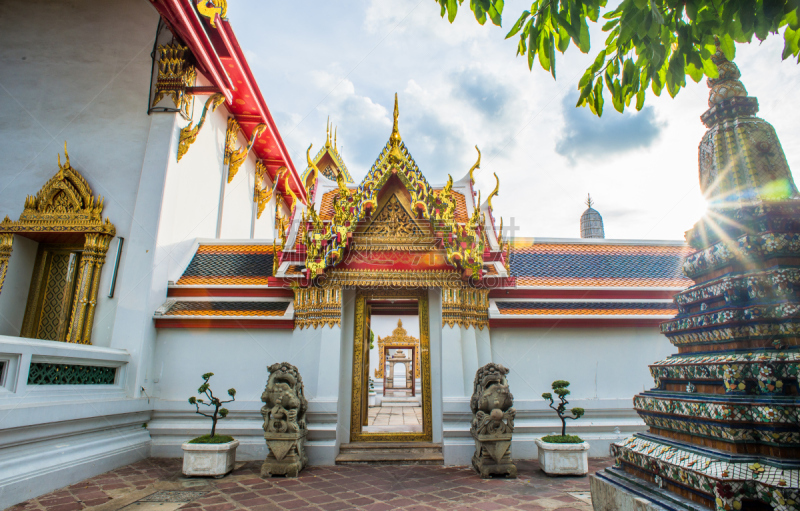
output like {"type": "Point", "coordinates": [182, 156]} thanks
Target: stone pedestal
{"type": "Point", "coordinates": [493, 456]}
{"type": "Point", "coordinates": [209, 459]}
{"type": "Point", "coordinates": [287, 454]}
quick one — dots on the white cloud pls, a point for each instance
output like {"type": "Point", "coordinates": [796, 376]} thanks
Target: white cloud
{"type": "Point", "coordinates": [462, 85]}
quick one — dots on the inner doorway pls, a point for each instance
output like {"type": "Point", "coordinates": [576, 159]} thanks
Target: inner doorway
{"type": "Point", "coordinates": [391, 367]}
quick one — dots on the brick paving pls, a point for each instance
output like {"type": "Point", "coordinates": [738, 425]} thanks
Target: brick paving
{"type": "Point", "coordinates": [372, 488]}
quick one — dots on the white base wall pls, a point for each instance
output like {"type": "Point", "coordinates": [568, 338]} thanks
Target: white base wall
{"type": "Point", "coordinates": [606, 421]}
{"type": "Point", "coordinates": [172, 426]}
{"type": "Point", "coordinates": [39, 458]}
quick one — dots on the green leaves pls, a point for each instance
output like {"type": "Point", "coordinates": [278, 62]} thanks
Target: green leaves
{"type": "Point", "coordinates": [578, 412]}
{"type": "Point", "coordinates": [651, 43]}
{"type": "Point", "coordinates": [232, 392]}
{"type": "Point", "coordinates": [493, 9]}
{"type": "Point", "coordinates": [547, 395]}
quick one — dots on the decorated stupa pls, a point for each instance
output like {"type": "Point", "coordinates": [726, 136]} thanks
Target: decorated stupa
{"type": "Point", "coordinates": [591, 221]}
{"type": "Point", "coordinates": [723, 415]}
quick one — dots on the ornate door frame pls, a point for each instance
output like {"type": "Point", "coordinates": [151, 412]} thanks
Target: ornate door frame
{"type": "Point", "coordinates": [359, 383]}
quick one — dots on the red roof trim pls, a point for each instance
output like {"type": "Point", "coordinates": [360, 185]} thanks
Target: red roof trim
{"type": "Point", "coordinates": [234, 324]}
{"type": "Point", "coordinates": [209, 48]}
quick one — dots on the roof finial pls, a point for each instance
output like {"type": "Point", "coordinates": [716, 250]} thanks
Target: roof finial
{"type": "Point", "coordinates": [328, 132]}
{"type": "Point", "coordinates": [589, 200]}
{"type": "Point", "coordinates": [335, 130]}
{"type": "Point", "coordinates": [395, 138]}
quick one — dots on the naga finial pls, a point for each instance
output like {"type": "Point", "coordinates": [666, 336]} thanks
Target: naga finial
{"type": "Point", "coordinates": [476, 166]}
{"type": "Point", "coordinates": [496, 191]}
{"type": "Point", "coordinates": [589, 200]}
{"type": "Point", "coordinates": [312, 166]}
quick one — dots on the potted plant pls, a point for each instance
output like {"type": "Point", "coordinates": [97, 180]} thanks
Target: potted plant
{"type": "Point", "coordinates": [210, 455]}
{"type": "Point", "coordinates": [563, 454]}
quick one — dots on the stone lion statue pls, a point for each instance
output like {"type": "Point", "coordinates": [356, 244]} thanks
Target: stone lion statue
{"type": "Point", "coordinates": [284, 413]}
{"type": "Point", "coordinates": [492, 422]}
{"type": "Point", "coordinates": [491, 402]}
{"type": "Point", "coordinates": [285, 403]}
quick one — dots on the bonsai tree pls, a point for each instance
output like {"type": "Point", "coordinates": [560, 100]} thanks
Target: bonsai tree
{"type": "Point", "coordinates": [561, 390]}
{"type": "Point", "coordinates": [219, 411]}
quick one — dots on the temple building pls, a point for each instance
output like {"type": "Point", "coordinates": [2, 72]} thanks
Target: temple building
{"type": "Point", "coordinates": [172, 235]}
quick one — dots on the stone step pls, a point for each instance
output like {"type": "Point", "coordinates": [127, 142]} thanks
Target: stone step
{"type": "Point", "coordinates": [390, 453]}
{"type": "Point", "coordinates": [613, 489]}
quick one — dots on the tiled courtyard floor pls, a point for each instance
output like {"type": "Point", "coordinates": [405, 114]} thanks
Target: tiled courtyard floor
{"type": "Point", "coordinates": [395, 415]}
{"type": "Point", "coordinates": [156, 484]}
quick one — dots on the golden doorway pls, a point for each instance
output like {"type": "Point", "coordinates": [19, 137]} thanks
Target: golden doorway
{"type": "Point", "coordinates": [411, 302]}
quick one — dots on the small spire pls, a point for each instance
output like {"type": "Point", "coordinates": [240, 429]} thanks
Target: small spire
{"type": "Point", "coordinates": [328, 132]}
{"type": "Point", "coordinates": [335, 130]}
{"type": "Point", "coordinates": [589, 200]}
{"type": "Point", "coordinates": [395, 138]}
{"type": "Point", "coordinates": [726, 84]}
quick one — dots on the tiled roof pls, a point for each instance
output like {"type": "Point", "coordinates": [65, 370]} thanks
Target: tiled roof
{"type": "Point", "coordinates": [587, 308]}
{"type": "Point", "coordinates": [229, 265]}
{"type": "Point", "coordinates": [461, 208]}
{"type": "Point", "coordinates": [598, 265]}
{"type": "Point", "coordinates": [227, 308]}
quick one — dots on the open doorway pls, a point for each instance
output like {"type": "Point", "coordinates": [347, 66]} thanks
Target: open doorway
{"type": "Point", "coordinates": [395, 398]}
{"type": "Point", "coordinates": [391, 367]}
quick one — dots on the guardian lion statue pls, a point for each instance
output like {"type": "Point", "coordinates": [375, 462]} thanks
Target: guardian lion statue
{"type": "Point", "coordinates": [492, 422]}
{"type": "Point", "coordinates": [285, 427]}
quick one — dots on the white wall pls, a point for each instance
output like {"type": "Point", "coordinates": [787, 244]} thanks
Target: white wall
{"type": "Point", "coordinates": [237, 210]}
{"type": "Point", "coordinates": [77, 71]}
{"type": "Point", "coordinates": [606, 367]}
{"type": "Point", "coordinates": [239, 359]}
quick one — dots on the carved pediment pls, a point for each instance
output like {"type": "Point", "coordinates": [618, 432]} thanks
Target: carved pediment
{"type": "Point", "coordinates": [64, 204]}
{"type": "Point", "coordinates": [393, 228]}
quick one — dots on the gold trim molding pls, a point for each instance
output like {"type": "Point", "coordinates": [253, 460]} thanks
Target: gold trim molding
{"type": "Point", "coordinates": [317, 306]}
{"type": "Point", "coordinates": [65, 204]}
{"type": "Point", "coordinates": [356, 434]}
{"type": "Point", "coordinates": [467, 307]}
{"type": "Point", "coordinates": [388, 279]}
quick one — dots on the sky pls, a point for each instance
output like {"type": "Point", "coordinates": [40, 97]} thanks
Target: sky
{"type": "Point", "coordinates": [461, 85]}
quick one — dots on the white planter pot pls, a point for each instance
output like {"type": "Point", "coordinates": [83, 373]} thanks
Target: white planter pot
{"type": "Point", "coordinates": [563, 459]}
{"type": "Point", "coordinates": [373, 399]}
{"type": "Point", "coordinates": [209, 459]}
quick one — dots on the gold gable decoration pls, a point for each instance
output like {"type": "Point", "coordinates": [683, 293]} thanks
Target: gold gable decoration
{"type": "Point", "coordinates": [66, 205]}
{"type": "Point", "coordinates": [325, 242]}
{"type": "Point", "coordinates": [399, 337]}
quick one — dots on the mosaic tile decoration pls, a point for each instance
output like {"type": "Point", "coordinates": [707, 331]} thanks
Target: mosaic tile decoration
{"type": "Point", "coordinates": [587, 308]}
{"type": "Point", "coordinates": [229, 265]}
{"type": "Point", "coordinates": [600, 265]}
{"type": "Point", "coordinates": [238, 308]}
{"type": "Point", "coordinates": [728, 479]}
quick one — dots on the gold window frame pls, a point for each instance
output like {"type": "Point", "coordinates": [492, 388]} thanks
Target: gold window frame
{"type": "Point", "coordinates": [356, 418]}
{"type": "Point", "coordinates": [62, 212]}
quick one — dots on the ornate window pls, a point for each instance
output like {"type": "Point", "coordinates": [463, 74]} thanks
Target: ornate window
{"type": "Point", "coordinates": [66, 219]}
